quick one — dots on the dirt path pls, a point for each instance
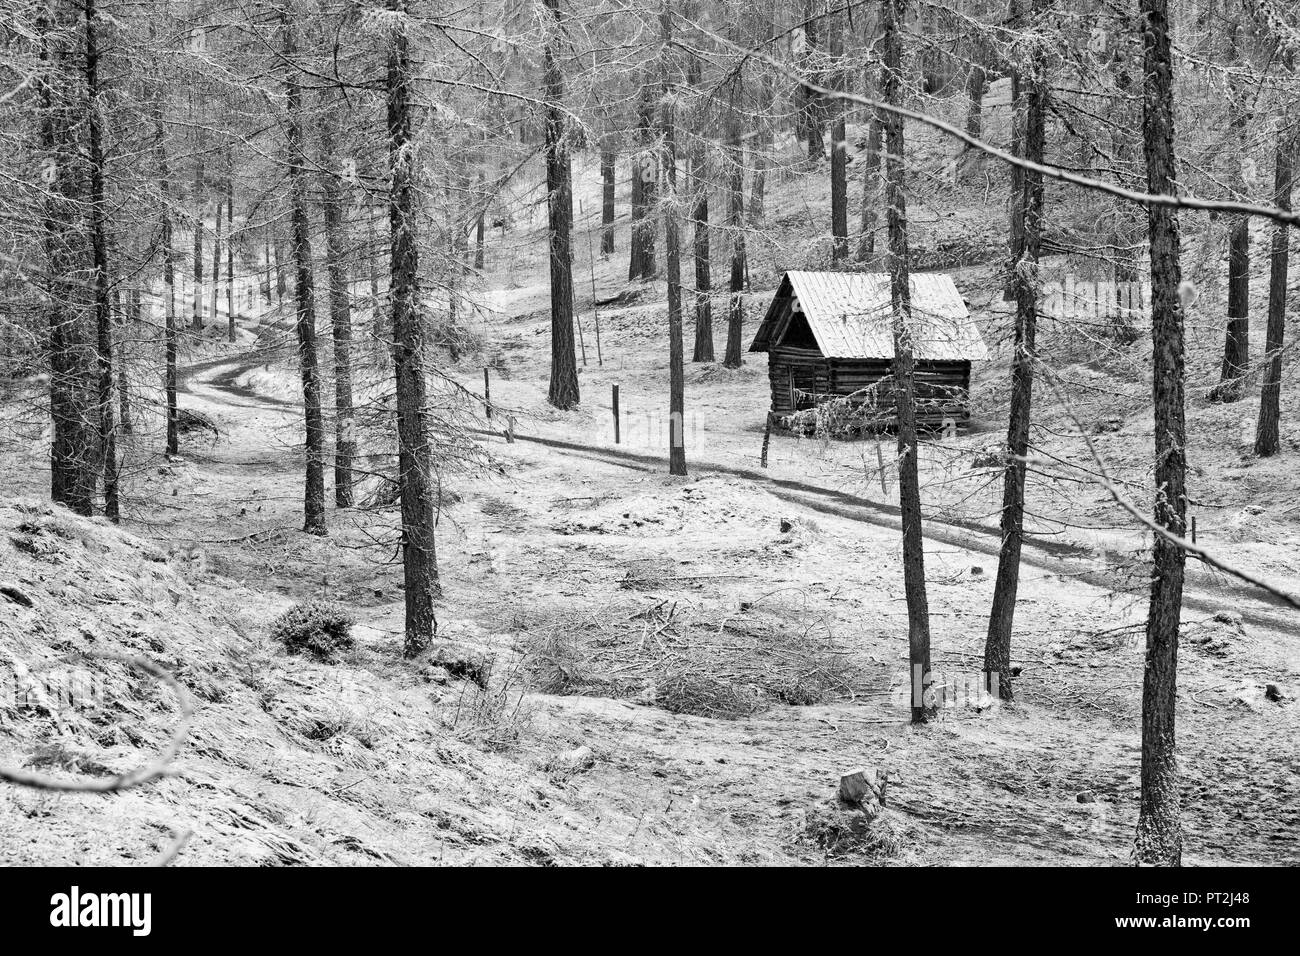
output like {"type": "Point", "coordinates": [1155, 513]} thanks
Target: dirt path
{"type": "Point", "coordinates": [1216, 591]}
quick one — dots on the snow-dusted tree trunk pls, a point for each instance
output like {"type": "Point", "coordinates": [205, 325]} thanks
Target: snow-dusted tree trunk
{"type": "Point", "coordinates": [673, 255]}
{"type": "Point", "coordinates": [304, 291]}
{"type": "Point", "coordinates": [72, 471]}
{"type": "Point", "coordinates": [340, 303]}
{"type": "Point", "coordinates": [909, 482]}
{"type": "Point", "coordinates": [1159, 838]}
{"type": "Point", "coordinates": [99, 257]}
{"type": "Point", "coordinates": [1024, 271]}
{"type": "Point", "coordinates": [563, 391]}
{"type": "Point", "coordinates": [1270, 399]}
{"type": "Point", "coordinates": [414, 454]}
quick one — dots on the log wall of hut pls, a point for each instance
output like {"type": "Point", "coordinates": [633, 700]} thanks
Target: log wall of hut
{"type": "Point", "coordinates": [802, 378]}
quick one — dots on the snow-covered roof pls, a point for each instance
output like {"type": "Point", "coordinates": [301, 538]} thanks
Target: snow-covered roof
{"type": "Point", "coordinates": [850, 316]}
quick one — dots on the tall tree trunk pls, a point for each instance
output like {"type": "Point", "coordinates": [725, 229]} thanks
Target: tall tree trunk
{"type": "Point", "coordinates": [196, 319]}
{"type": "Point", "coordinates": [281, 286]}
{"type": "Point", "coordinates": [268, 256]}
{"type": "Point", "coordinates": [414, 456]}
{"type": "Point", "coordinates": [99, 252]}
{"type": "Point", "coordinates": [645, 175]}
{"type": "Point", "coordinates": [169, 271]}
{"type": "Point", "coordinates": [480, 225]}
{"type": "Point", "coordinates": [230, 247]}
{"type": "Point", "coordinates": [607, 157]}
{"type": "Point", "coordinates": [1236, 342]}
{"type": "Point", "coordinates": [873, 185]}
{"type": "Point", "coordinates": [1127, 224]}
{"type": "Point", "coordinates": [130, 326]}
{"type": "Point", "coordinates": [1159, 837]}
{"type": "Point", "coordinates": [811, 108]}
{"type": "Point", "coordinates": [871, 191]}
{"type": "Point", "coordinates": [1024, 269]}
{"type": "Point", "coordinates": [909, 485]}
{"type": "Point", "coordinates": [634, 246]}
{"type": "Point", "coordinates": [563, 391]}
{"type": "Point", "coordinates": [976, 81]}
{"type": "Point", "coordinates": [340, 298]}
{"type": "Point", "coordinates": [72, 476]}
{"type": "Point", "coordinates": [1016, 195]}
{"type": "Point", "coordinates": [761, 142]}
{"type": "Point", "coordinates": [1270, 398]}
{"type": "Point", "coordinates": [304, 294]}
{"type": "Point", "coordinates": [381, 334]}
{"type": "Point", "coordinates": [216, 257]}
{"type": "Point", "coordinates": [735, 159]}
{"type": "Point", "coordinates": [673, 255]}
{"type": "Point", "coordinates": [703, 351]}
{"type": "Point", "coordinates": [839, 151]}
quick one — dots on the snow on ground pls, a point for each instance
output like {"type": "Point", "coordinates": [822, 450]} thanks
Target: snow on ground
{"type": "Point", "coordinates": [726, 645]}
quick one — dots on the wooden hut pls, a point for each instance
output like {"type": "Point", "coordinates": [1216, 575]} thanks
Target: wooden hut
{"type": "Point", "coordinates": [828, 335]}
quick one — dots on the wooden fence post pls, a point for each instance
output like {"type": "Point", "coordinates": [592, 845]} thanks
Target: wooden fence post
{"type": "Point", "coordinates": [616, 430]}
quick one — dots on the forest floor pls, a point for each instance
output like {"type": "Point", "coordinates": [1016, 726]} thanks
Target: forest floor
{"type": "Point", "coordinates": [725, 645]}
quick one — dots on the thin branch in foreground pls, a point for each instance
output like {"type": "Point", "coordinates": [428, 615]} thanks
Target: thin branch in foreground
{"type": "Point", "coordinates": [134, 778]}
{"type": "Point", "coordinates": [167, 856]}
{"type": "Point", "coordinates": [1104, 479]}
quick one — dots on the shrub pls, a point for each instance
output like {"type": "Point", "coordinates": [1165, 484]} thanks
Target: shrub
{"type": "Point", "coordinates": [878, 836]}
{"type": "Point", "coordinates": [319, 628]}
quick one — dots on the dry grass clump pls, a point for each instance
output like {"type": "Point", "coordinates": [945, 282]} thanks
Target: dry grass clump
{"type": "Point", "coordinates": [881, 836]}
{"type": "Point", "coordinates": [686, 692]}
{"type": "Point", "coordinates": [558, 664]}
{"type": "Point", "coordinates": [494, 715]}
{"type": "Point", "coordinates": [321, 629]}
{"type": "Point", "coordinates": [689, 659]}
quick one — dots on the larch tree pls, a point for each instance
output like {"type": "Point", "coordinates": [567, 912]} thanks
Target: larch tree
{"type": "Point", "coordinates": [735, 174]}
{"type": "Point", "coordinates": [332, 176]}
{"type": "Point", "coordinates": [645, 178]}
{"type": "Point", "coordinates": [700, 184]}
{"type": "Point", "coordinates": [170, 331]}
{"type": "Point", "coordinates": [811, 110]}
{"type": "Point", "coordinates": [196, 201]}
{"type": "Point", "coordinates": [1267, 429]}
{"type": "Point", "coordinates": [71, 350]}
{"type": "Point", "coordinates": [102, 279]}
{"type": "Point", "coordinates": [893, 13]}
{"type": "Point", "coordinates": [1159, 839]}
{"type": "Point", "coordinates": [839, 147]}
{"type": "Point", "coordinates": [1270, 399]}
{"type": "Point", "coordinates": [563, 392]}
{"type": "Point", "coordinates": [672, 252]}
{"type": "Point", "coordinates": [1024, 270]}
{"type": "Point", "coordinates": [414, 449]}
{"type": "Point", "coordinates": [872, 179]}
{"type": "Point", "coordinates": [1236, 341]}
{"type": "Point", "coordinates": [608, 158]}
{"type": "Point", "coordinates": [304, 286]}
{"type": "Point", "coordinates": [231, 317]}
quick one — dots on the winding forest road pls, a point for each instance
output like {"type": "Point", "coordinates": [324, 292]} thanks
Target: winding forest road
{"type": "Point", "coordinates": [1207, 591]}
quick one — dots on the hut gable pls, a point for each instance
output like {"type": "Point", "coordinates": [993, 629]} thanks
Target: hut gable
{"type": "Point", "coordinates": [849, 316]}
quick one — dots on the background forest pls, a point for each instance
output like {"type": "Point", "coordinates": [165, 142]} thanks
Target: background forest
{"type": "Point", "coordinates": [387, 477]}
